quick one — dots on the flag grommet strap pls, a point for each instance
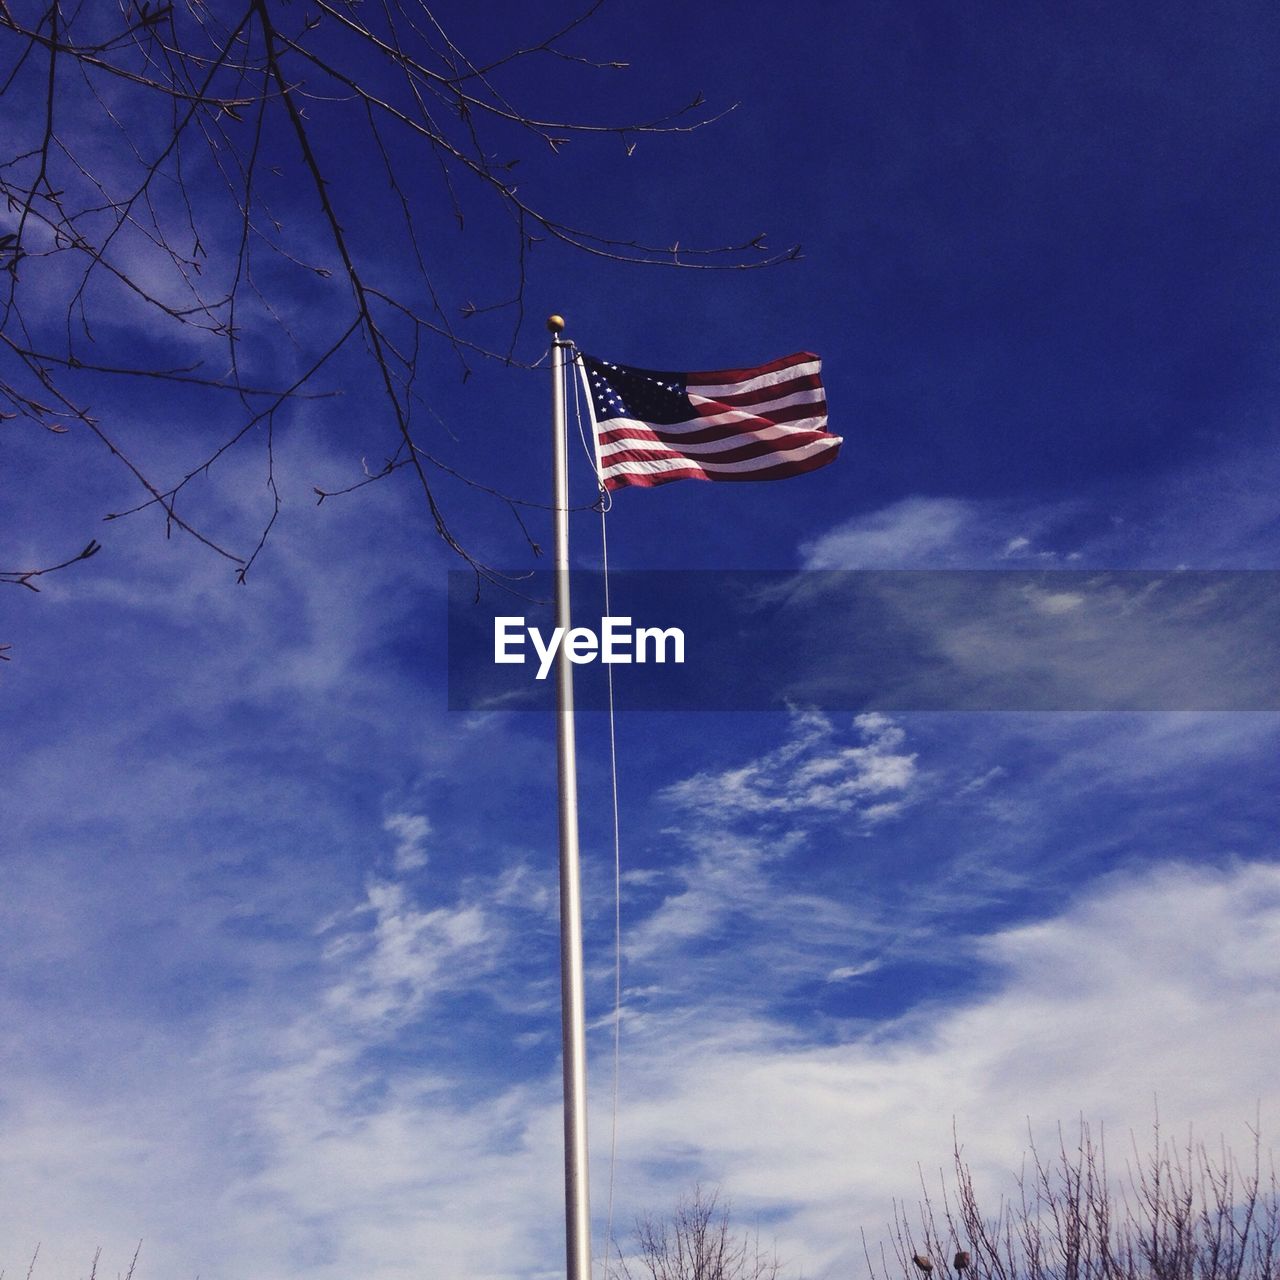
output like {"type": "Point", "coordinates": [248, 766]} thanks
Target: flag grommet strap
{"type": "Point", "coordinates": [765, 423]}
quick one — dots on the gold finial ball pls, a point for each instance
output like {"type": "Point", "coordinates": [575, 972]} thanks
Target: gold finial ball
{"type": "Point", "coordinates": [555, 324]}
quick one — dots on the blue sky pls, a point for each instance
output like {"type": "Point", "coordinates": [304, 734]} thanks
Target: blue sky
{"type": "Point", "coordinates": [279, 989]}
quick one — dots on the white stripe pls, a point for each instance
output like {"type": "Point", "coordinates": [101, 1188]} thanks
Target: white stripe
{"type": "Point", "coordinates": [750, 427]}
{"type": "Point", "coordinates": [730, 416]}
{"type": "Point", "coordinates": [655, 466]}
{"type": "Point", "coordinates": [762, 379]}
{"type": "Point", "coordinates": [775, 432]}
{"type": "Point", "coordinates": [762, 408]}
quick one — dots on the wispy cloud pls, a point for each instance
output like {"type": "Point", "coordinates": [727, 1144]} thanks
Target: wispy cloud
{"type": "Point", "coordinates": [407, 956]}
{"type": "Point", "coordinates": [411, 831]}
{"type": "Point", "coordinates": [732, 899]}
{"type": "Point", "coordinates": [935, 533]}
{"type": "Point", "coordinates": [1221, 513]}
{"type": "Point", "coordinates": [811, 773]}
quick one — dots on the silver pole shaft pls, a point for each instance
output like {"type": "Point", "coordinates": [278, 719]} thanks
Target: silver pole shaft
{"type": "Point", "coordinates": [577, 1207]}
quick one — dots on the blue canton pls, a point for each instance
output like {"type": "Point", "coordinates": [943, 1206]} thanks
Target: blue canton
{"type": "Point", "coordinates": [648, 395]}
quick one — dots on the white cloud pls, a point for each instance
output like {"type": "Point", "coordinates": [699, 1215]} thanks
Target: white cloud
{"type": "Point", "coordinates": [739, 829]}
{"type": "Point", "coordinates": [1162, 986]}
{"type": "Point", "coordinates": [724, 875]}
{"type": "Point", "coordinates": [984, 780]}
{"type": "Point", "coordinates": [848, 972]}
{"type": "Point", "coordinates": [1053, 603]}
{"type": "Point", "coordinates": [1001, 641]}
{"type": "Point", "coordinates": [411, 830]}
{"type": "Point", "coordinates": [274, 1137]}
{"type": "Point", "coordinates": [409, 955]}
{"type": "Point", "coordinates": [940, 533]}
{"type": "Point", "coordinates": [811, 773]}
{"type": "Point", "coordinates": [914, 532]}
{"type": "Point", "coordinates": [1218, 513]}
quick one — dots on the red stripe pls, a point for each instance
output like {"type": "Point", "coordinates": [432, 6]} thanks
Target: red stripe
{"type": "Point", "coordinates": [743, 453]}
{"type": "Point", "coordinates": [774, 391]}
{"type": "Point", "coordinates": [718, 376]}
{"type": "Point", "coordinates": [773, 417]}
{"type": "Point", "coordinates": [650, 480]}
{"type": "Point", "coordinates": [718, 431]}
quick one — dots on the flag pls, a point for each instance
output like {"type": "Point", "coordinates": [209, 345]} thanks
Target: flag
{"type": "Point", "coordinates": [765, 423]}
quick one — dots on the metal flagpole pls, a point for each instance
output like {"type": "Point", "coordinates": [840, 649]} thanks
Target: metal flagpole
{"type": "Point", "coordinates": [577, 1210]}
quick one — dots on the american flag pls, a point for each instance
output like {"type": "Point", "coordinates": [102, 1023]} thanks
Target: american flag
{"type": "Point", "coordinates": [765, 423]}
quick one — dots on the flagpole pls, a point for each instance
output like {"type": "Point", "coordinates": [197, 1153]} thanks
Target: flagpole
{"type": "Point", "coordinates": [577, 1209]}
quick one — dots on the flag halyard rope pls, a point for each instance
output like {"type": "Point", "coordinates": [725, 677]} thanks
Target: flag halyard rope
{"type": "Point", "coordinates": [604, 503]}
{"type": "Point", "coordinates": [617, 909]}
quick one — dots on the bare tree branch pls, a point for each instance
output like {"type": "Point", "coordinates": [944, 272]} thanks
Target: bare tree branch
{"type": "Point", "coordinates": [171, 185]}
{"type": "Point", "coordinates": [26, 577]}
{"type": "Point", "coordinates": [696, 1241]}
{"type": "Point", "coordinates": [1180, 1214]}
